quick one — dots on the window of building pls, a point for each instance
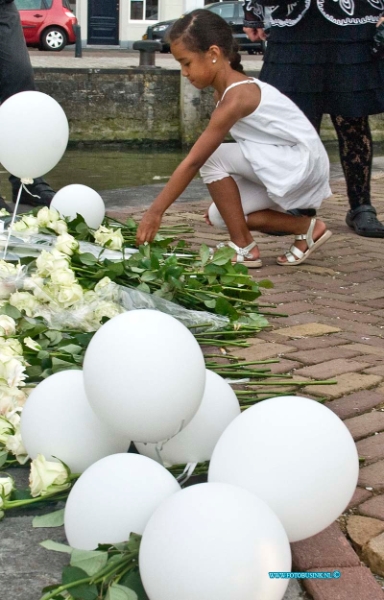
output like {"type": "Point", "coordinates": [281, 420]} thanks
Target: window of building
{"type": "Point", "coordinates": [144, 10]}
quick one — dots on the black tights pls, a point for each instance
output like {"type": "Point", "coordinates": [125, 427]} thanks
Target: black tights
{"type": "Point", "coordinates": [355, 147]}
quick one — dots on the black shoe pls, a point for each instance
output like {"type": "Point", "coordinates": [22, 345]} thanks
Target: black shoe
{"type": "Point", "coordinates": [39, 192]}
{"type": "Point", "coordinates": [3, 204]}
{"type": "Point", "coordinates": [296, 212]}
{"type": "Point", "coordinates": [364, 221]}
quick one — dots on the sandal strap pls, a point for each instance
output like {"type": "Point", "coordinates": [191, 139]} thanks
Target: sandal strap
{"type": "Point", "coordinates": [307, 236]}
{"type": "Point", "coordinates": [294, 254]}
{"type": "Point", "coordinates": [242, 252]}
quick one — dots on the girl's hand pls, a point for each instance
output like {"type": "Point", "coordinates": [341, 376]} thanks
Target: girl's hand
{"type": "Point", "coordinates": [148, 227]}
{"type": "Point", "coordinates": [380, 21]}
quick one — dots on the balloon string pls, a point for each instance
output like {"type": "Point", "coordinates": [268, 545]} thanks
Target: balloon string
{"type": "Point", "coordinates": [187, 473]}
{"type": "Point", "coordinates": [25, 182]}
{"type": "Point", "coordinates": [12, 221]}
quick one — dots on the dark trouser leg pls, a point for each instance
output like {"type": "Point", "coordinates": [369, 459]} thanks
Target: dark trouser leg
{"type": "Point", "coordinates": [16, 74]}
{"type": "Point", "coordinates": [355, 146]}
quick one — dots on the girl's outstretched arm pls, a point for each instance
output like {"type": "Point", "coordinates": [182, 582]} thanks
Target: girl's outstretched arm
{"type": "Point", "coordinates": [223, 118]}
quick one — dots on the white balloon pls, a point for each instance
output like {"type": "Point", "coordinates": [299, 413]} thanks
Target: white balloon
{"type": "Point", "coordinates": [57, 421]}
{"type": "Point", "coordinates": [116, 496]}
{"type": "Point", "coordinates": [80, 199]}
{"type": "Point", "coordinates": [144, 375]}
{"type": "Point", "coordinates": [214, 541]}
{"type": "Point", "coordinates": [296, 455]}
{"type": "Point", "coordinates": [34, 134]}
{"type": "Point", "coordinates": [195, 443]}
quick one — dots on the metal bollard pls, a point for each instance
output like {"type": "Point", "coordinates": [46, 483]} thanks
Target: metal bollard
{"type": "Point", "coordinates": [147, 49]}
{"type": "Point", "coordinates": [78, 48]}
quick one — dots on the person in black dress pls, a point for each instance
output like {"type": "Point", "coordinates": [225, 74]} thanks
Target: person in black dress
{"type": "Point", "coordinates": [319, 55]}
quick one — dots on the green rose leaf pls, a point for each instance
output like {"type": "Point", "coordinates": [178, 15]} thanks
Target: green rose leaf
{"type": "Point", "coordinates": [51, 545]}
{"type": "Point", "coordinates": [10, 311]}
{"type": "Point", "coordinates": [223, 307]}
{"type": "Point", "coordinates": [91, 561]}
{"type": "Point", "coordinates": [223, 255]}
{"type": "Point", "coordinates": [53, 519]}
{"type": "Point", "coordinates": [148, 276]}
{"type": "Point", "coordinates": [265, 283]}
{"type": "Point", "coordinates": [120, 592]}
{"type": "Point", "coordinates": [3, 457]}
{"type": "Point", "coordinates": [133, 581]}
{"type": "Point", "coordinates": [204, 254]}
{"type": "Point", "coordinates": [87, 259]}
{"type": "Point", "coordinates": [83, 591]}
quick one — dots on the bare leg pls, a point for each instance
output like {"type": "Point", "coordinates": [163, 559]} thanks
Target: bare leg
{"type": "Point", "coordinates": [270, 220]}
{"type": "Point", "coordinates": [225, 194]}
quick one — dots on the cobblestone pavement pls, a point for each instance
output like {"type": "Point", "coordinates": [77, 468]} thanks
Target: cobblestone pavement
{"type": "Point", "coordinates": [334, 329]}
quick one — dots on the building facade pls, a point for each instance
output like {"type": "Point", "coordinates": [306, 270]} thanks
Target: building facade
{"type": "Point", "coordinates": [121, 22]}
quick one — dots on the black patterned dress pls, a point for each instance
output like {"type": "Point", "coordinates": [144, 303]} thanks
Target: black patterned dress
{"type": "Point", "coordinates": [319, 54]}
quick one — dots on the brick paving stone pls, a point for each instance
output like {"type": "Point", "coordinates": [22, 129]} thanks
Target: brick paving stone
{"type": "Point", "coordinates": [373, 554]}
{"type": "Point", "coordinates": [332, 368]}
{"type": "Point", "coordinates": [374, 507]}
{"type": "Point", "coordinates": [263, 351]}
{"type": "Point", "coordinates": [319, 355]}
{"type": "Point", "coordinates": [355, 583]}
{"type": "Point", "coordinates": [296, 308]}
{"type": "Point", "coordinates": [372, 476]}
{"type": "Point", "coordinates": [360, 495]}
{"type": "Point", "coordinates": [316, 343]}
{"type": "Point", "coordinates": [363, 425]}
{"type": "Point", "coordinates": [329, 547]}
{"type": "Point", "coordinates": [283, 366]}
{"type": "Point", "coordinates": [355, 404]}
{"type": "Point", "coordinates": [349, 325]}
{"type": "Point", "coordinates": [362, 529]}
{"type": "Point", "coordinates": [377, 370]}
{"type": "Point", "coordinates": [294, 320]}
{"type": "Point", "coordinates": [309, 329]}
{"type": "Point", "coordinates": [371, 448]}
{"type": "Point", "coordinates": [351, 314]}
{"type": "Point", "coordinates": [372, 345]}
{"type": "Point", "coordinates": [346, 384]}
{"type": "Point", "coordinates": [344, 305]}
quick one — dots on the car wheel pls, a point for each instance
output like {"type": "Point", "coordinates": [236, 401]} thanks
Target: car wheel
{"type": "Point", "coordinates": [251, 51]}
{"type": "Point", "coordinates": [54, 39]}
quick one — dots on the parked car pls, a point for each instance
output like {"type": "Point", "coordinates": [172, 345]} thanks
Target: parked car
{"type": "Point", "coordinates": [47, 24]}
{"type": "Point", "coordinates": [232, 12]}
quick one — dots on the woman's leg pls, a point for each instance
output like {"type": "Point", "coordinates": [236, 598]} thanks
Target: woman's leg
{"type": "Point", "coordinates": [356, 150]}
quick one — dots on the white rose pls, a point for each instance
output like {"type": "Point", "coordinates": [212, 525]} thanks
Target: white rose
{"type": "Point", "coordinates": [7, 325]}
{"type": "Point", "coordinates": [6, 429]}
{"type": "Point", "coordinates": [47, 215]}
{"type": "Point", "coordinates": [110, 238]}
{"type": "Point", "coordinates": [4, 212]}
{"type": "Point", "coordinates": [32, 344]}
{"type": "Point", "coordinates": [59, 226]}
{"type": "Point", "coordinates": [13, 372]}
{"type": "Point", "coordinates": [102, 284]}
{"type": "Point", "coordinates": [11, 398]}
{"type": "Point", "coordinates": [47, 477]}
{"type": "Point", "coordinates": [8, 269]}
{"type": "Point", "coordinates": [90, 297]}
{"type": "Point", "coordinates": [68, 295]}
{"type": "Point", "coordinates": [47, 262]}
{"type": "Point", "coordinates": [63, 277]}
{"type": "Point", "coordinates": [27, 224]}
{"type": "Point", "coordinates": [67, 244]}
{"type": "Point", "coordinates": [107, 309]}
{"type": "Point", "coordinates": [9, 348]}
{"type": "Point", "coordinates": [7, 485]}
{"type": "Point", "coordinates": [15, 445]}
{"type": "Point", "coordinates": [24, 301]}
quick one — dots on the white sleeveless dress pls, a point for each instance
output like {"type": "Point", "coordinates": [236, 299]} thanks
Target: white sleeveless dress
{"type": "Point", "coordinates": [283, 150]}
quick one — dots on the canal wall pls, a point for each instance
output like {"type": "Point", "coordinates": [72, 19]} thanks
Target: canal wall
{"type": "Point", "coordinates": [139, 106]}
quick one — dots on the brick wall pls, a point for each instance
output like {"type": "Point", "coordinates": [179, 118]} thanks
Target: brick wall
{"type": "Point", "coordinates": [138, 106]}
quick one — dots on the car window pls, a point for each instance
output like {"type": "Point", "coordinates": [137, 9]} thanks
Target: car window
{"type": "Point", "coordinates": [226, 10]}
{"type": "Point", "coordinates": [30, 4]}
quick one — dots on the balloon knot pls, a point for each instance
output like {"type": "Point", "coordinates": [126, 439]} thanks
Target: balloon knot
{"type": "Point", "coordinates": [26, 180]}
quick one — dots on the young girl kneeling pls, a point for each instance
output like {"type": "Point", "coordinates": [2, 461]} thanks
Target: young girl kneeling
{"type": "Point", "coordinates": [277, 163]}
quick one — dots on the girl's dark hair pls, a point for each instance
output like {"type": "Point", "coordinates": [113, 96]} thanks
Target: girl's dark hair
{"type": "Point", "coordinates": [201, 29]}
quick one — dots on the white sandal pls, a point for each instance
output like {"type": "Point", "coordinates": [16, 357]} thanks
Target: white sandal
{"type": "Point", "coordinates": [295, 256]}
{"type": "Point", "coordinates": [243, 255]}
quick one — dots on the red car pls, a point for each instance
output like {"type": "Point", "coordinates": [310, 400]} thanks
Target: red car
{"type": "Point", "coordinates": [47, 24]}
